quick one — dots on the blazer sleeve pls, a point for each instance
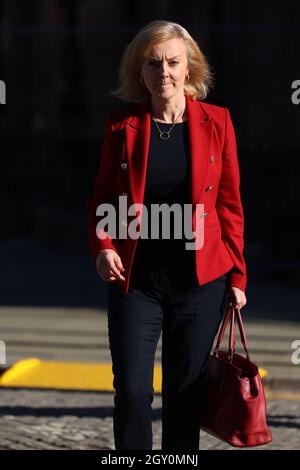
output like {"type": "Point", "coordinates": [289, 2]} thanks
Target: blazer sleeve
{"type": "Point", "coordinates": [105, 190]}
{"type": "Point", "coordinates": [229, 207]}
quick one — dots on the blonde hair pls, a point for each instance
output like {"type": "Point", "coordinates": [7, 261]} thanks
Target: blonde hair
{"type": "Point", "coordinates": [132, 90]}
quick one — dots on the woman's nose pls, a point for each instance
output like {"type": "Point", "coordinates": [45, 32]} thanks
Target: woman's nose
{"type": "Point", "coordinates": [164, 71]}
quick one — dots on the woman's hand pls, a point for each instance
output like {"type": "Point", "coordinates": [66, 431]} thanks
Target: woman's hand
{"type": "Point", "coordinates": [238, 297]}
{"type": "Point", "coordinates": [109, 265]}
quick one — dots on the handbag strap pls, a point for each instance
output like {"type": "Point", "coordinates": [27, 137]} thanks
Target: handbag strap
{"type": "Point", "coordinates": [242, 333]}
{"type": "Point", "coordinates": [232, 313]}
{"type": "Point", "coordinates": [231, 345]}
{"type": "Point", "coordinates": [223, 327]}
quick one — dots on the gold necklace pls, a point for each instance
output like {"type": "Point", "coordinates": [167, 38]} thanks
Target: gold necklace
{"type": "Point", "coordinates": [166, 134]}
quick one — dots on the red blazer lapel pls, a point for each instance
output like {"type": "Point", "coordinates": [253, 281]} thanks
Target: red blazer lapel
{"type": "Point", "coordinates": [137, 132]}
{"type": "Point", "coordinates": [200, 131]}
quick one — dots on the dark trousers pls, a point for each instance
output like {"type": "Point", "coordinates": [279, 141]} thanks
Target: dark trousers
{"type": "Point", "coordinates": [164, 296]}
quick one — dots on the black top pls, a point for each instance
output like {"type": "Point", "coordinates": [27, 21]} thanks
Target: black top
{"type": "Point", "coordinates": [168, 166]}
{"type": "Point", "coordinates": [167, 179]}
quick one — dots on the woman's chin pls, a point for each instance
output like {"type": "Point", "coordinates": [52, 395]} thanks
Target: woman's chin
{"type": "Point", "coordinates": [166, 94]}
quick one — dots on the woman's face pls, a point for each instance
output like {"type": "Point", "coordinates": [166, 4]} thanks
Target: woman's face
{"type": "Point", "coordinates": [165, 68]}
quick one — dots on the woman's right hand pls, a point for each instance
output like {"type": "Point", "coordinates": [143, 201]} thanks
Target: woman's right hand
{"type": "Point", "coordinates": [109, 265]}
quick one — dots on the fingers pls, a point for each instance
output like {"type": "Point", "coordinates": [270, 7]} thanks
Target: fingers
{"type": "Point", "coordinates": [106, 275]}
{"type": "Point", "coordinates": [115, 271]}
{"type": "Point", "coordinates": [109, 266]}
{"type": "Point", "coordinates": [238, 303]}
{"type": "Point", "coordinates": [237, 298]}
{"type": "Point", "coordinates": [119, 264]}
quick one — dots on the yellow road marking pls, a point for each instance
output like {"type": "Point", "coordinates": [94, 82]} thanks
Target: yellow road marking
{"type": "Point", "coordinates": [35, 373]}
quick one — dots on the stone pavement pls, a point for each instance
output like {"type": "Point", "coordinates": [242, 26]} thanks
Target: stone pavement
{"type": "Point", "coordinates": [48, 419]}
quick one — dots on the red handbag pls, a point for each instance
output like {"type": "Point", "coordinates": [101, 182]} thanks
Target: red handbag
{"type": "Point", "coordinates": [233, 404]}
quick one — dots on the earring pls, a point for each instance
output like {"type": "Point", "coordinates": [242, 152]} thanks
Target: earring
{"type": "Point", "coordinates": [187, 77]}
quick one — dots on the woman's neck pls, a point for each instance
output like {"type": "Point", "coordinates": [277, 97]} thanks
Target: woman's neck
{"type": "Point", "coordinates": [168, 111]}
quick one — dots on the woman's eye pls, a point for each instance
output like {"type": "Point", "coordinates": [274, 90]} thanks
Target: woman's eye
{"type": "Point", "coordinates": [157, 63]}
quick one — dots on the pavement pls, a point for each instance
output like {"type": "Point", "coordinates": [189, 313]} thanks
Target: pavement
{"type": "Point", "coordinates": [53, 307]}
{"type": "Point", "coordinates": [48, 419]}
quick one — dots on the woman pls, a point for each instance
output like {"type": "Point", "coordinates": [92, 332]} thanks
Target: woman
{"type": "Point", "coordinates": [167, 146]}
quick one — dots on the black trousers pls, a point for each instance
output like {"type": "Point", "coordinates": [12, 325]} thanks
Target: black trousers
{"type": "Point", "coordinates": [164, 296]}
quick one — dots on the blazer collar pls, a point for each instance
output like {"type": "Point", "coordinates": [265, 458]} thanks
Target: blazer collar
{"type": "Point", "coordinates": [194, 108]}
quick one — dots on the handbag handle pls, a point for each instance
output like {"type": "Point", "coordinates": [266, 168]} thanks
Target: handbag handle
{"type": "Point", "coordinates": [231, 345]}
{"type": "Point", "coordinates": [229, 314]}
{"type": "Point", "coordinates": [232, 313]}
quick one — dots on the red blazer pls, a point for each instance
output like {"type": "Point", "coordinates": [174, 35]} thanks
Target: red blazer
{"type": "Point", "coordinates": [215, 183]}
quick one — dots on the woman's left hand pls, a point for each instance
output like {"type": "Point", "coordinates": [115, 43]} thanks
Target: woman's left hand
{"type": "Point", "coordinates": [238, 297]}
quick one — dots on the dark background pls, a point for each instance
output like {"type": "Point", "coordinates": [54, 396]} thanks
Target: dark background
{"type": "Point", "coordinates": [59, 60]}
